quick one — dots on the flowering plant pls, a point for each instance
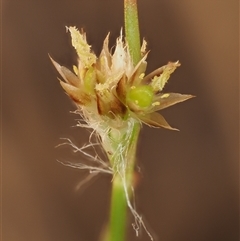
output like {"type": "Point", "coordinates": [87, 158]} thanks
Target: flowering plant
{"type": "Point", "coordinates": [114, 97]}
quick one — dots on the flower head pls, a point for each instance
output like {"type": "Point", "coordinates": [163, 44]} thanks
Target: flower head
{"type": "Point", "coordinates": [110, 88]}
{"type": "Point", "coordinates": [113, 96]}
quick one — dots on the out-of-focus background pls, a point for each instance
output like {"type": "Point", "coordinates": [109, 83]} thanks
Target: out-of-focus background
{"type": "Point", "coordinates": [188, 186]}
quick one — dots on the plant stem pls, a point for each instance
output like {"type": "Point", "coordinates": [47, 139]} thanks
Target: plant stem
{"type": "Point", "coordinates": [132, 29]}
{"type": "Point", "coordinates": [118, 212]}
{"type": "Point", "coordinates": [118, 199]}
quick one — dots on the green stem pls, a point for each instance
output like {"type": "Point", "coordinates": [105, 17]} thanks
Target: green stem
{"type": "Point", "coordinates": [132, 29]}
{"type": "Point", "coordinates": [118, 211]}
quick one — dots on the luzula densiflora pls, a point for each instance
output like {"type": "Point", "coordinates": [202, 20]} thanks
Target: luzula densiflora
{"type": "Point", "coordinates": [111, 95]}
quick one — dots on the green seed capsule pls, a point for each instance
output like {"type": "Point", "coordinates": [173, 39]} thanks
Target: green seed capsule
{"type": "Point", "coordinates": [141, 96]}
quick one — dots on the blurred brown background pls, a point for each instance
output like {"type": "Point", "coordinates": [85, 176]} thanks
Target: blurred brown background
{"type": "Point", "coordinates": [189, 179]}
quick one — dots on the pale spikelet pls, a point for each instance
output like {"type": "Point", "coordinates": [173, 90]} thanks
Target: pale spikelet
{"type": "Point", "coordinates": [159, 81]}
{"type": "Point", "coordinates": [79, 42]}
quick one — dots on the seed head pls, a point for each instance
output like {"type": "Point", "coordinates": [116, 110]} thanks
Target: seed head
{"type": "Point", "coordinates": [110, 89]}
{"type": "Point", "coordinates": [112, 94]}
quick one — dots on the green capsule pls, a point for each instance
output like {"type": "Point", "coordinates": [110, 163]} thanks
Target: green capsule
{"type": "Point", "coordinates": [142, 96]}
